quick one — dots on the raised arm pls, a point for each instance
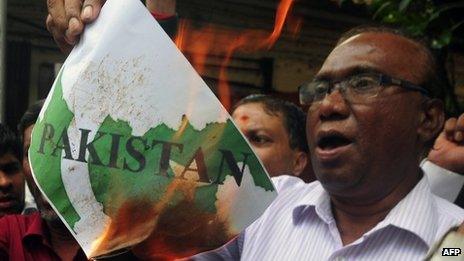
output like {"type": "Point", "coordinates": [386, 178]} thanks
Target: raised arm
{"type": "Point", "coordinates": [67, 19]}
{"type": "Point", "coordinates": [448, 151]}
{"type": "Point", "coordinates": [445, 166]}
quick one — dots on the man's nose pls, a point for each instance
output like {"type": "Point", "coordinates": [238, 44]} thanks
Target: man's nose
{"type": "Point", "coordinates": [333, 106]}
{"type": "Point", "coordinates": [5, 181]}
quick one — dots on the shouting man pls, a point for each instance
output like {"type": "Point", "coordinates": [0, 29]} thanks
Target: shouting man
{"type": "Point", "coordinates": [373, 116]}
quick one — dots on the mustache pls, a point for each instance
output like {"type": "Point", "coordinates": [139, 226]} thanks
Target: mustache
{"type": "Point", "coordinates": [7, 197]}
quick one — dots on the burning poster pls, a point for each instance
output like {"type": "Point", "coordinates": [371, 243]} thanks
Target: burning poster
{"type": "Point", "coordinates": [134, 151]}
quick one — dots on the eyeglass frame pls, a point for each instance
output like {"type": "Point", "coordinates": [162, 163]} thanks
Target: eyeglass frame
{"type": "Point", "coordinates": [384, 81]}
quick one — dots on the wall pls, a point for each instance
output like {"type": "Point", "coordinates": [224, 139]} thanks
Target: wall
{"type": "Point", "coordinates": [40, 56]}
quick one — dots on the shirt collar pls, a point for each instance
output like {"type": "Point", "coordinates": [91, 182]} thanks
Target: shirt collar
{"type": "Point", "coordinates": [316, 199]}
{"type": "Point", "coordinates": [415, 213]}
{"type": "Point", "coordinates": [36, 230]}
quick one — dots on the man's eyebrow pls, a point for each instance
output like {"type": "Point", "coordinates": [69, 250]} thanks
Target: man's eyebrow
{"type": "Point", "coordinates": [9, 166]}
{"type": "Point", "coordinates": [359, 69]}
{"type": "Point", "coordinates": [254, 130]}
{"type": "Point", "coordinates": [363, 69]}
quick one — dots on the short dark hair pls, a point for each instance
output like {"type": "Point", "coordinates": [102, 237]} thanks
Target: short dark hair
{"type": "Point", "coordinates": [293, 116]}
{"type": "Point", "coordinates": [9, 142]}
{"type": "Point", "coordinates": [30, 117]}
{"type": "Point", "coordinates": [436, 79]}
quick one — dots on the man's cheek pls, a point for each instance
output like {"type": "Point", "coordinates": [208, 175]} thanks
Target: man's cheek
{"type": "Point", "coordinates": [19, 178]}
{"type": "Point", "coordinates": [261, 154]}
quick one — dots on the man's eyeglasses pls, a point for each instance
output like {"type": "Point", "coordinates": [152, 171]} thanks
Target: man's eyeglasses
{"type": "Point", "coordinates": [359, 87]}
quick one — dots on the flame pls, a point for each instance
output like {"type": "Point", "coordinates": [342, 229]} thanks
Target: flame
{"type": "Point", "coordinates": [294, 26]}
{"type": "Point", "coordinates": [181, 130]}
{"type": "Point", "coordinates": [181, 34]}
{"type": "Point", "coordinates": [224, 87]}
{"type": "Point", "coordinates": [218, 41]}
{"type": "Point", "coordinates": [281, 16]}
{"type": "Point", "coordinates": [199, 41]}
{"type": "Point", "coordinates": [165, 230]}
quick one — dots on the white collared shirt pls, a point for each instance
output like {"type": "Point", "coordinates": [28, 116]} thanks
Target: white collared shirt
{"type": "Point", "coordinates": [299, 225]}
{"type": "Point", "coordinates": [443, 183]}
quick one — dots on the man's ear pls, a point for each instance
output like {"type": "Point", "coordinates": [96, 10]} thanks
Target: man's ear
{"type": "Point", "coordinates": [299, 162]}
{"type": "Point", "coordinates": [432, 120]}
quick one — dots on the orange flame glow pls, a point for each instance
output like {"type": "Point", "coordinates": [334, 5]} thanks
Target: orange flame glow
{"type": "Point", "coordinates": [223, 87]}
{"type": "Point", "coordinates": [181, 34]}
{"type": "Point", "coordinates": [294, 26]}
{"type": "Point", "coordinates": [281, 16]}
{"type": "Point", "coordinates": [225, 42]}
{"type": "Point", "coordinates": [165, 231]}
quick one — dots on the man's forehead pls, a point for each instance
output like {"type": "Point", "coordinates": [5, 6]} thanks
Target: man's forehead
{"type": "Point", "coordinates": [255, 109]}
{"type": "Point", "coordinates": [385, 52]}
{"type": "Point", "coordinates": [255, 115]}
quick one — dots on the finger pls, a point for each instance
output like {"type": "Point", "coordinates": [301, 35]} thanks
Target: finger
{"type": "Point", "coordinates": [460, 123]}
{"type": "Point", "coordinates": [75, 26]}
{"type": "Point", "coordinates": [49, 23]}
{"type": "Point", "coordinates": [459, 131]}
{"type": "Point", "coordinates": [91, 10]}
{"type": "Point", "coordinates": [58, 36]}
{"type": "Point", "coordinates": [58, 13]}
{"type": "Point", "coordinates": [450, 126]}
{"type": "Point", "coordinates": [461, 229]}
{"type": "Point", "coordinates": [74, 30]}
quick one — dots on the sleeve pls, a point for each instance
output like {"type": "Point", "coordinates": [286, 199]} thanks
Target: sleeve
{"type": "Point", "coordinates": [444, 183]}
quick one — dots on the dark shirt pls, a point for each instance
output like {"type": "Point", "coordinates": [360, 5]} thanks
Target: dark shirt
{"type": "Point", "coordinates": [25, 237]}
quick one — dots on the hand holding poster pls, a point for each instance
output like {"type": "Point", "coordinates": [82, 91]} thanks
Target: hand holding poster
{"type": "Point", "coordinates": [133, 150]}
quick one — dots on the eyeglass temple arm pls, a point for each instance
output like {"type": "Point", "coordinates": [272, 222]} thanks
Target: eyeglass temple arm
{"type": "Point", "coordinates": [405, 84]}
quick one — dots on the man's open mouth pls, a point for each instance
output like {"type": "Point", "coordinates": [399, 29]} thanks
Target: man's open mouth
{"type": "Point", "coordinates": [333, 140]}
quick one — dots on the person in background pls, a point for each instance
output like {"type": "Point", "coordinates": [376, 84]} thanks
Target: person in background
{"type": "Point", "coordinates": [276, 130]}
{"type": "Point", "coordinates": [48, 236]}
{"type": "Point", "coordinates": [12, 187]}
